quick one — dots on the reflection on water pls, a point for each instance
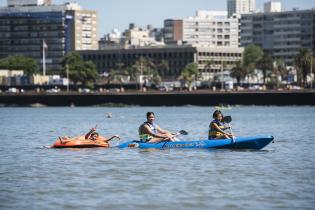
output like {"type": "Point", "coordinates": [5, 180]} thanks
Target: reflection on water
{"type": "Point", "coordinates": [32, 177]}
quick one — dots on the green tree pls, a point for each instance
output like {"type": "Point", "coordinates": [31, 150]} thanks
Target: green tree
{"type": "Point", "coordinates": [208, 65]}
{"type": "Point", "coordinates": [238, 72]}
{"type": "Point", "coordinates": [251, 56]}
{"type": "Point", "coordinates": [157, 79]}
{"type": "Point", "coordinates": [189, 74]}
{"type": "Point", "coordinates": [162, 68]}
{"type": "Point", "coordinates": [18, 62]}
{"type": "Point", "coordinates": [118, 75]}
{"type": "Point", "coordinates": [265, 64]}
{"type": "Point", "coordinates": [302, 63]}
{"type": "Point", "coordinates": [280, 70]}
{"type": "Point", "coordinates": [80, 71]}
{"type": "Point", "coordinates": [146, 67]}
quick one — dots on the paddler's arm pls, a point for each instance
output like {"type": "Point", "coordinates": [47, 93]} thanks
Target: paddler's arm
{"type": "Point", "coordinates": [218, 128]}
{"type": "Point", "coordinates": [148, 130]}
{"type": "Point", "coordinates": [114, 136]}
{"type": "Point", "coordinates": [160, 130]}
{"type": "Point", "coordinates": [89, 133]}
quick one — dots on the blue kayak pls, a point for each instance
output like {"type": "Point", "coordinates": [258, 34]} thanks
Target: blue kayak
{"type": "Point", "coordinates": [254, 142]}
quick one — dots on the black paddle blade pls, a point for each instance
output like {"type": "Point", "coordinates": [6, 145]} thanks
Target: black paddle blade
{"type": "Point", "coordinates": [227, 119]}
{"type": "Point", "coordinates": [183, 132]}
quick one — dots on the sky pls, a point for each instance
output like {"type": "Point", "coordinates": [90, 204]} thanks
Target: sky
{"type": "Point", "coordinates": [119, 13]}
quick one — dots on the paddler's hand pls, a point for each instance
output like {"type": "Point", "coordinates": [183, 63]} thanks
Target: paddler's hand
{"type": "Point", "coordinates": [231, 136]}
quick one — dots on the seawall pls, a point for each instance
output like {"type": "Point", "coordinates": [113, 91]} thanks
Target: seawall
{"type": "Point", "coordinates": [203, 98]}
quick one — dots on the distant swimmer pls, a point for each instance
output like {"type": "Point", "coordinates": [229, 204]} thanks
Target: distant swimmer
{"type": "Point", "coordinates": [109, 115]}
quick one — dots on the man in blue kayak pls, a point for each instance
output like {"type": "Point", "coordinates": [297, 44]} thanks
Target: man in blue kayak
{"type": "Point", "coordinates": [149, 132]}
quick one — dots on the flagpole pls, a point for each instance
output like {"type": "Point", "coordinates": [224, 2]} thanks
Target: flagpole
{"type": "Point", "coordinates": [67, 69]}
{"type": "Point", "coordinates": [311, 70]}
{"type": "Point", "coordinates": [44, 59]}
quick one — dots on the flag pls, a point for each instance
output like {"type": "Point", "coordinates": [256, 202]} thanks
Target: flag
{"type": "Point", "coordinates": [45, 46]}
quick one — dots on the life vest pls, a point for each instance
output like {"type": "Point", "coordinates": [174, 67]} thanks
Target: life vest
{"type": "Point", "coordinates": [213, 133]}
{"type": "Point", "coordinates": [144, 137]}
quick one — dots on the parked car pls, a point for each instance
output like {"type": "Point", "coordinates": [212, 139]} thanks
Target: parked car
{"type": "Point", "coordinates": [84, 90]}
{"type": "Point", "coordinates": [53, 90]}
{"type": "Point", "coordinates": [255, 87]}
{"type": "Point", "coordinates": [12, 90]}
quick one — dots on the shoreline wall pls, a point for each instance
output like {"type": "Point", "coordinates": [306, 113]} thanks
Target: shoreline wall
{"type": "Point", "coordinates": [162, 99]}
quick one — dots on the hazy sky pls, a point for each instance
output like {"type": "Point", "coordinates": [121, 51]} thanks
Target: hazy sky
{"type": "Point", "coordinates": [119, 13]}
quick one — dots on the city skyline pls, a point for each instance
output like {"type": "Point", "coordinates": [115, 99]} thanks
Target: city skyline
{"type": "Point", "coordinates": [156, 12]}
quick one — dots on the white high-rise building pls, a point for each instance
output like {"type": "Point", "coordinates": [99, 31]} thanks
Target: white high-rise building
{"type": "Point", "coordinates": [272, 6]}
{"type": "Point", "coordinates": [280, 34]}
{"type": "Point", "coordinates": [240, 7]}
{"type": "Point", "coordinates": [13, 3]}
{"type": "Point", "coordinates": [211, 28]}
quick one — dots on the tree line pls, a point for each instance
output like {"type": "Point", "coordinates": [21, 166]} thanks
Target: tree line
{"type": "Point", "coordinates": [273, 69]}
{"type": "Point", "coordinates": [85, 72]}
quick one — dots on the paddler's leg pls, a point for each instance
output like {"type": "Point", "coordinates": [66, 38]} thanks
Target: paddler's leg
{"type": "Point", "coordinates": [222, 136]}
{"type": "Point", "coordinates": [156, 140]}
{"type": "Point", "coordinates": [64, 139]}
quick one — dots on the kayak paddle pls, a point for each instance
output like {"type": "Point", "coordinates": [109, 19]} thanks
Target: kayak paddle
{"type": "Point", "coordinates": [228, 119]}
{"type": "Point", "coordinates": [181, 132]}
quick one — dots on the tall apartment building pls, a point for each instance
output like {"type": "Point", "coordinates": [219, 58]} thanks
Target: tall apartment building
{"type": "Point", "coordinates": [85, 36]}
{"type": "Point", "coordinates": [13, 3]}
{"type": "Point", "coordinates": [207, 28]}
{"type": "Point", "coordinates": [272, 6]}
{"type": "Point", "coordinates": [25, 24]}
{"type": "Point", "coordinates": [240, 7]}
{"type": "Point", "coordinates": [173, 31]}
{"type": "Point", "coordinates": [282, 34]}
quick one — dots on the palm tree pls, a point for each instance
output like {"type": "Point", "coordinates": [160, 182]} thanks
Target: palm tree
{"type": "Point", "coordinates": [266, 65]}
{"type": "Point", "coordinates": [189, 74]}
{"type": "Point", "coordinates": [223, 66]}
{"type": "Point", "coordinates": [238, 72]}
{"type": "Point", "coordinates": [144, 67]}
{"type": "Point", "coordinates": [163, 68]}
{"type": "Point", "coordinates": [280, 70]}
{"type": "Point", "coordinates": [208, 65]}
{"type": "Point", "coordinates": [302, 63]}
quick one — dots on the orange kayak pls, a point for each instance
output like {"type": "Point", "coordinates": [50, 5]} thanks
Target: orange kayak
{"type": "Point", "coordinates": [79, 142]}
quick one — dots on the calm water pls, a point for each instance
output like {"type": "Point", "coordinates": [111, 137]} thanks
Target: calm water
{"type": "Point", "coordinates": [282, 176]}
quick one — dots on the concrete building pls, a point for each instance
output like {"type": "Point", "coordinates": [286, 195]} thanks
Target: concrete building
{"type": "Point", "coordinates": [24, 25]}
{"type": "Point", "coordinates": [111, 40]}
{"type": "Point", "coordinates": [173, 31]}
{"type": "Point", "coordinates": [13, 3]}
{"type": "Point", "coordinates": [207, 28]}
{"type": "Point", "coordinates": [133, 37]}
{"type": "Point", "coordinates": [272, 6]}
{"type": "Point", "coordinates": [140, 37]}
{"type": "Point", "coordinates": [282, 34]}
{"type": "Point", "coordinates": [240, 7]}
{"type": "Point", "coordinates": [176, 56]}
